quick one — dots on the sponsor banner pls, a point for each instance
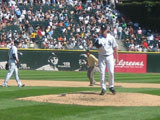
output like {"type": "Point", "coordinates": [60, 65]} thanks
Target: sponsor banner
{"type": "Point", "coordinates": [48, 60]}
{"type": "Point", "coordinates": [71, 60]}
{"type": "Point", "coordinates": [132, 63]}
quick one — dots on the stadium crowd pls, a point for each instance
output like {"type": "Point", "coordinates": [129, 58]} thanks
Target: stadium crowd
{"type": "Point", "coordinates": [69, 24]}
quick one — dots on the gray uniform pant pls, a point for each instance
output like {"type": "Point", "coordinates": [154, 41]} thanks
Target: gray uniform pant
{"type": "Point", "coordinates": [106, 61]}
{"type": "Point", "coordinates": [90, 73]}
{"type": "Point", "coordinates": [12, 68]}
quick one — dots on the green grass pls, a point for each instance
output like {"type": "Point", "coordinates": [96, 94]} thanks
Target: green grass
{"type": "Point", "coordinates": [12, 109]}
{"type": "Point", "coordinates": [82, 76]}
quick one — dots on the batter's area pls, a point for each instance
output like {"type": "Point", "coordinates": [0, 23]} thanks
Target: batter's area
{"type": "Point", "coordinates": [94, 99]}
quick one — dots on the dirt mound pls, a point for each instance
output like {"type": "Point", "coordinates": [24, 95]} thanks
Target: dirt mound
{"type": "Point", "coordinates": [94, 99]}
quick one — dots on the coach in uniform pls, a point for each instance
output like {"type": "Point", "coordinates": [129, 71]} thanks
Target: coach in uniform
{"type": "Point", "coordinates": [13, 61]}
{"type": "Point", "coordinates": [92, 63]}
{"type": "Point", "coordinates": [107, 45]}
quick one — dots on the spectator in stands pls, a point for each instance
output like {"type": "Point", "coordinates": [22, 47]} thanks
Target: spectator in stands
{"type": "Point", "coordinates": [70, 24]}
{"type": "Point", "coordinates": [120, 29]}
{"type": "Point", "coordinates": [158, 46]}
{"type": "Point", "coordinates": [131, 46]}
{"type": "Point", "coordinates": [150, 39]}
{"type": "Point", "coordinates": [144, 45]}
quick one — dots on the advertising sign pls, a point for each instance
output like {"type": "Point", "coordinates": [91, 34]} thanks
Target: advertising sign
{"type": "Point", "coordinates": [132, 63]}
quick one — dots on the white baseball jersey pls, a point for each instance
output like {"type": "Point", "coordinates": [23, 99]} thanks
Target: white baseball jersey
{"type": "Point", "coordinates": [13, 50]}
{"type": "Point", "coordinates": [106, 59]}
{"type": "Point", "coordinates": [108, 44]}
{"type": "Point", "coordinates": [12, 66]}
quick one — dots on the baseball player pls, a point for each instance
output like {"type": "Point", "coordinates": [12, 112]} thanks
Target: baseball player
{"type": "Point", "coordinates": [107, 45]}
{"type": "Point", "coordinates": [92, 63]}
{"type": "Point", "coordinates": [13, 61]}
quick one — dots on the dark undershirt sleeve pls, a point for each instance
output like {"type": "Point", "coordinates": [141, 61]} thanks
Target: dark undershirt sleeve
{"type": "Point", "coordinates": [14, 56]}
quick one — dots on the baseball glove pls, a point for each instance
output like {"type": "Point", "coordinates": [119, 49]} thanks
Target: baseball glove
{"type": "Point", "coordinates": [7, 66]}
{"type": "Point", "coordinates": [96, 44]}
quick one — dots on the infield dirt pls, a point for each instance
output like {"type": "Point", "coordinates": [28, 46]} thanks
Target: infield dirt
{"type": "Point", "coordinates": [93, 98]}
{"type": "Point", "coordinates": [77, 84]}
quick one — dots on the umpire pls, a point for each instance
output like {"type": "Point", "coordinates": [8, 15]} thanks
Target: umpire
{"type": "Point", "coordinates": [92, 63]}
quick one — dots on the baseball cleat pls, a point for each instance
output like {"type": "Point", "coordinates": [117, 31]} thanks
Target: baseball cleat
{"type": "Point", "coordinates": [21, 85]}
{"type": "Point", "coordinates": [4, 85]}
{"type": "Point", "coordinates": [103, 92]}
{"type": "Point", "coordinates": [91, 85]}
{"type": "Point", "coordinates": [112, 90]}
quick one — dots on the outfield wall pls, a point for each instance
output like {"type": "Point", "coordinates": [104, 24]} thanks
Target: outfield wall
{"type": "Point", "coordinates": [75, 60]}
{"type": "Point", "coordinates": [48, 60]}
{"type": "Point", "coordinates": [153, 62]}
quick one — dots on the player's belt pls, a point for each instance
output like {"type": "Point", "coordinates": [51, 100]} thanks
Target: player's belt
{"type": "Point", "coordinates": [11, 59]}
{"type": "Point", "coordinates": [105, 55]}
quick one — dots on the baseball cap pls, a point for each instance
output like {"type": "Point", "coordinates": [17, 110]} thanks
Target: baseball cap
{"type": "Point", "coordinates": [87, 51]}
{"type": "Point", "coordinates": [103, 27]}
{"type": "Point", "coordinates": [16, 42]}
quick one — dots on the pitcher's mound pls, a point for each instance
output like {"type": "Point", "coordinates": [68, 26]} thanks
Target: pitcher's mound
{"type": "Point", "coordinates": [94, 99]}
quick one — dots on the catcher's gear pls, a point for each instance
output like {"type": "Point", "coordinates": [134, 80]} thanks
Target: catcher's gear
{"type": "Point", "coordinates": [7, 66]}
